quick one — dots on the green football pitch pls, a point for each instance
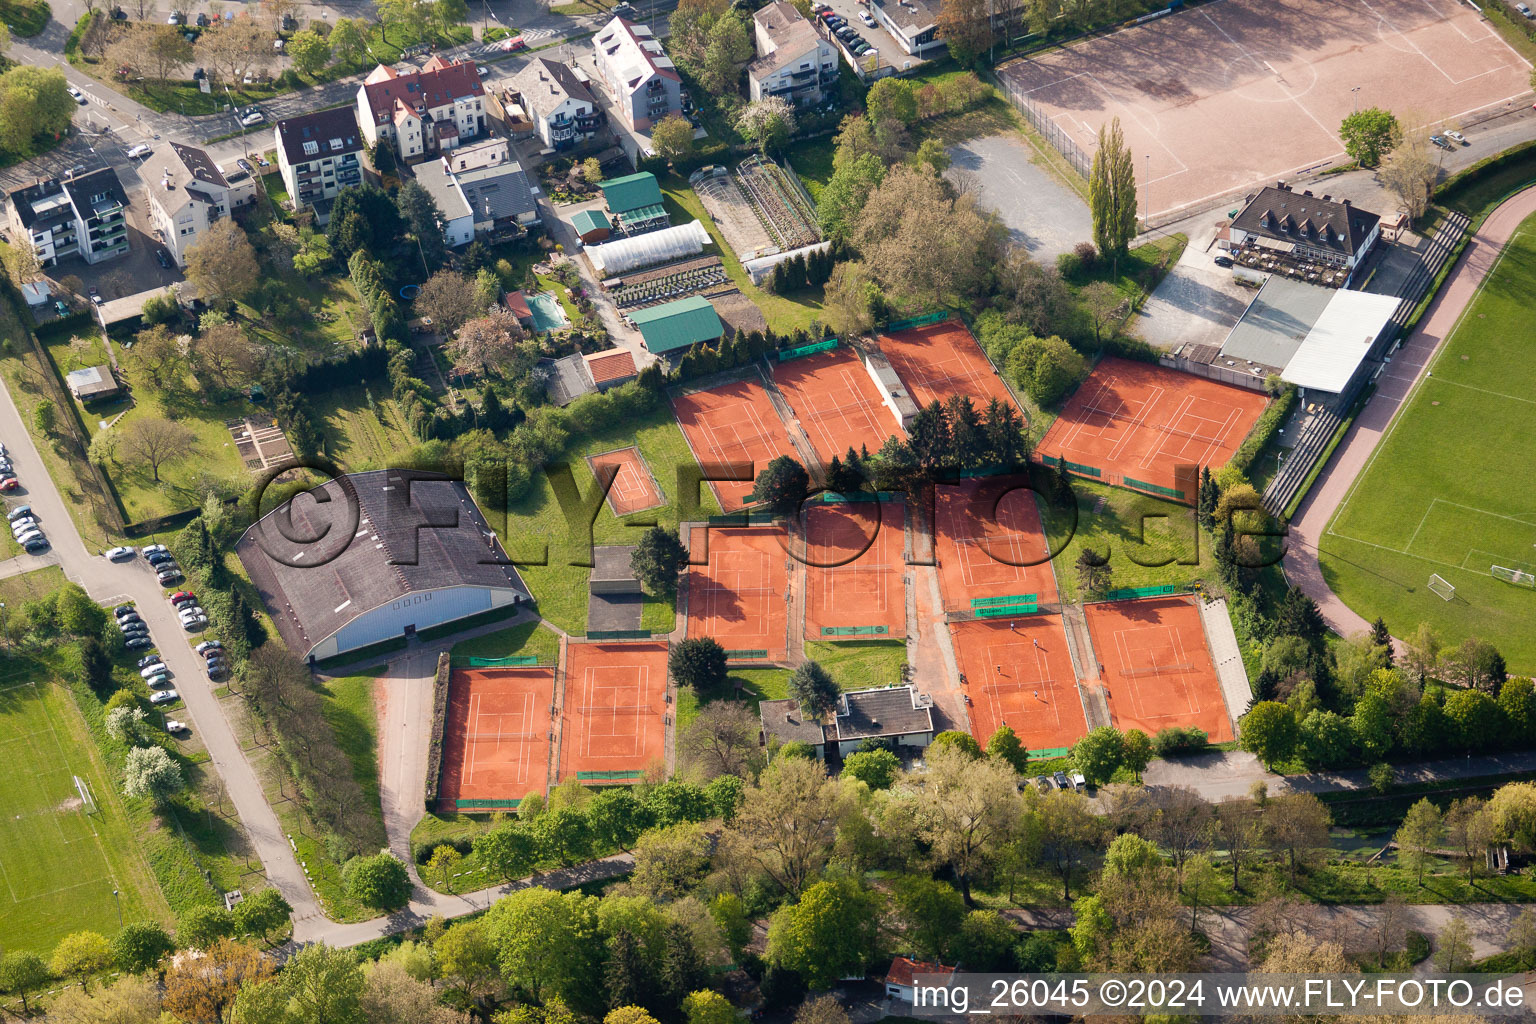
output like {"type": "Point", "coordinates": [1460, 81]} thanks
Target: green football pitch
{"type": "Point", "coordinates": [59, 862]}
{"type": "Point", "coordinates": [1450, 489]}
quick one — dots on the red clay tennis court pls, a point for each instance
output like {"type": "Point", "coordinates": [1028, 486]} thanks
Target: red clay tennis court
{"type": "Point", "coordinates": [738, 598]}
{"type": "Point", "coordinates": [991, 543]}
{"type": "Point", "coordinates": [634, 488]}
{"type": "Point", "coordinates": [732, 423]}
{"type": "Point", "coordinates": [941, 360]}
{"type": "Point", "coordinates": [1135, 424]}
{"type": "Point", "coordinates": [838, 405]}
{"type": "Point", "coordinates": [496, 737]}
{"type": "Point", "coordinates": [1018, 673]}
{"type": "Point", "coordinates": [1156, 667]}
{"type": "Point", "coordinates": [613, 720]}
{"type": "Point", "coordinates": [853, 570]}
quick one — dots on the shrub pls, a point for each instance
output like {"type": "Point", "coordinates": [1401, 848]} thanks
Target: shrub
{"type": "Point", "coordinates": [1175, 741]}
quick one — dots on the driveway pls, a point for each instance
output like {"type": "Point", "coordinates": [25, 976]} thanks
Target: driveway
{"type": "Point", "coordinates": [1198, 302]}
{"type": "Point", "coordinates": [1041, 214]}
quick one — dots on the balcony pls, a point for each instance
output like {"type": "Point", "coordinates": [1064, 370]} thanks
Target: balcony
{"type": "Point", "coordinates": [562, 134]}
{"type": "Point", "coordinates": [655, 85]}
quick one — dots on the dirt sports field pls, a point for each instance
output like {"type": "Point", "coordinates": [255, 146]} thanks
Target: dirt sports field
{"type": "Point", "coordinates": [739, 596]}
{"type": "Point", "coordinates": [854, 568]}
{"type": "Point", "coordinates": [615, 709]}
{"type": "Point", "coordinates": [991, 543]}
{"type": "Point", "coordinates": [1018, 673]}
{"type": "Point", "coordinates": [634, 488]}
{"type": "Point", "coordinates": [732, 423]}
{"type": "Point", "coordinates": [941, 360]}
{"type": "Point", "coordinates": [1155, 665]}
{"type": "Point", "coordinates": [837, 403]}
{"type": "Point", "coordinates": [1134, 424]}
{"type": "Point", "coordinates": [496, 739]}
{"type": "Point", "coordinates": [1226, 95]}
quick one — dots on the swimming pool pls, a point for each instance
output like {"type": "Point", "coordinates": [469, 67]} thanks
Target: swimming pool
{"type": "Point", "coordinates": [548, 314]}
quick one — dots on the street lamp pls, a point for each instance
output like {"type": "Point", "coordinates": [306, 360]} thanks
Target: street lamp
{"type": "Point", "coordinates": [1354, 97]}
{"type": "Point", "coordinates": [116, 898]}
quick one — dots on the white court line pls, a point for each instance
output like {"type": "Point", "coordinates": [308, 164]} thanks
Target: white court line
{"type": "Point", "coordinates": [1153, 400]}
{"type": "Point", "coordinates": [1042, 680]}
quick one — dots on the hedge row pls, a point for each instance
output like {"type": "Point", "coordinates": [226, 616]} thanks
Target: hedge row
{"type": "Point", "coordinates": [1452, 188]}
{"type": "Point", "coordinates": [439, 724]}
{"type": "Point", "coordinates": [1264, 430]}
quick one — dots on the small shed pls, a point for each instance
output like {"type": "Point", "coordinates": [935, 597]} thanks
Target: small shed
{"type": "Point", "coordinates": [900, 979]}
{"type": "Point", "coordinates": [37, 293]}
{"type": "Point", "coordinates": [673, 326]}
{"type": "Point", "coordinates": [93, 383]}
{"type": "Point", "coordinates": [591, 226]}
{"type": "Point", "coordinates": [517, 303]}
{"type": "Point", "coordinates": [612, 368]}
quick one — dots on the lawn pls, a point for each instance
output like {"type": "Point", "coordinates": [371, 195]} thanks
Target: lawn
{"type": "Point", "coordinates": [535, 527]}
{"type": "Point", "coordinates": [362, 429]}
{"type": "Point", "coordinates": [25, 17]}
{"type": "Point", "coordinates": [783, 313]}
{"type": "Point", "coordinates": [1447, 491]}
{"type": "Point", "coordinates": [755, 684]}
{"type": "Point", "coordinates": [349, 707]}
{"type": "Point", "coordinates": [61, 865]}
{"type": "Point", "coordinates": [1110, 521]}
{"type": "Point", "coordinates": [861, 664]}
{"type": "Point", "coordinates": [525, 638]}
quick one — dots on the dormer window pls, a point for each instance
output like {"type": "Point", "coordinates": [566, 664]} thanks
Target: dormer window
{"type": "Point", "coordinates": [311, 148]}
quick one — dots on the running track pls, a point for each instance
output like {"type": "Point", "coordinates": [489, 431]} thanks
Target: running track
{"type": "Point", "coordinates": [1392, 387]}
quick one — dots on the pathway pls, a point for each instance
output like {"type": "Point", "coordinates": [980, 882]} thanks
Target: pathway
{"type": "Point", "coordinates": [1333, 486]}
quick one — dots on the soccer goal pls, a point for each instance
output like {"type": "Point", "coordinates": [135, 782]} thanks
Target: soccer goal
{"type": "Point", "coordinates": [87, 801]}
{"type": "Point", "coordinates": [1518, 577]}
{"type": "Point", "coordinates": [1439, 585]}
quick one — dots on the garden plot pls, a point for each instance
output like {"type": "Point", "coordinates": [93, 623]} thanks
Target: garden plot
{"type": "Point", "coordinates": [760, 208]}
{"type": "Point", "coordinates": [664, 284]}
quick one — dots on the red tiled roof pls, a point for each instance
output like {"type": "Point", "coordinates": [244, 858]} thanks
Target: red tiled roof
{"type": "Point", "coordinates": [517, 302]}
{"type": "Point", "coordinates": [608, 366]}
{"type": "Point", "coordinates": [903, 970]}
{"type": "Point", "coordinates": [425, 89]}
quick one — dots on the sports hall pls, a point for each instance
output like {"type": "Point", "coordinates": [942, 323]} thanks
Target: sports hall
{"type": "Point", "coordinates": [1155, 665]}
{"type": "Point", "coordinates": [991, 543]}
{"type": "Point", "coordinates": [1136, 425]}
{"type": "Point", "coordinates": [939, 361]}
{"type": "Point", "coordinates": [634, 485]}
{"type": "Point", "coordinates": [836, 402]}
{"type": "Point", "coordinates": [734, 422]}
{"type": "Point", "coordinates": [854, 566]}
{"type": "Point", "coordinates": [614, 711]}
{"type": "Point", "coordinates": [1017, 672]}
{"type": "Point", "coordinates": [496, 735]}
{"type": "Point", "coordinates": [738, 596]}
{"type": "Point", "coordinates": [1218, 97]}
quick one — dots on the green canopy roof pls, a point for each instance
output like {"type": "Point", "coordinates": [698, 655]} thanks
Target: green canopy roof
{"type": "Point", "coordinates": [675, 325]}
{"type": "Point", "coordinates": [631, 192]}
{"type": "Point", "coordinates": [590, 220]}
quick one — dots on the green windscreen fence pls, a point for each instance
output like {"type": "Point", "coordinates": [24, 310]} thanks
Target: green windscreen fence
{"type": "Point", "coordinates": [1045, 752]}
{"type": "Point", "coordinates": [786, 354]}
{"type": "Point", "coordinates": [515, 660]}
{"type": "Point", "coordinates": [855, 630]}
{"type": "Point", "coordinates": [1007, 599]}
{"type": "Point", "coordinates": [628, 776]}
{"type": "Point", "coordinates": [837, 497]}
{"type": "Point", "coordinates": [1142, 485]}
{"type": "Point", "coordinates": [478, 804]}
{"type": "Point", "coordinates": [1000, 610]}
{"type": "Point", "coordinates": [747, 655]}
{"type": "Point", "coordinates": [743, 519]}
{"type": "Point", "coordinates": [1132, 593]}
{"type": "Point", "coordinates": [916, 321]}
{"type": "Point", "coordinates": [618, 634]}
{"type": "Point", "coordinates": [1076, 467]}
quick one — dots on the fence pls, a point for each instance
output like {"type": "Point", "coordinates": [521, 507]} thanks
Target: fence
{"type": "Point", "coordinates": [999, 611]}
{"type": "Point", "coordinates": [1134, 593]}
{"type": "Point", "coordinates": [750, 654]}
{"type": "Point", "coordinates": [618, 634]}
{"type": "Point", "coordinates": [1048, 129]}
{"type": "Point", "coordinates": [786, 354]}
{"type": "Point", "coordinates": [1159, 489]}
{"type": "Point", "coordinates": [1129, 483]}
{"type": "Point", "coordinates": [855, 630]}
{"type": "Point", "coordinates": [514, 660]}
{"type": "Point", "coordinates": [439, 724]}
{"type": "Point", "coordinates": [917, 321]}
{"type": "Point", "coordinates": [1007, 599]}
{"type": "Point", "coordinates": [625, 776]}
{"type": "Point", "coordinates": [1044, 752]}
{"type": "Point", "coordinates": [743, 519]}
{"type": "Point", "coordinates": [1077, 467]}
{"type": "Point", "coordinates": [835, 497]}
{"type": "Point", "coordinates": [485, 804]}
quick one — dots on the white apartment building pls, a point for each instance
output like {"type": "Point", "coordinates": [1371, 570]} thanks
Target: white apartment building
{"type": "Point", "coordinates": [637, 74]}
{"type": "Point", "coordinates": [792, 62]}
{"type": "Point", "coordinates": [84, 215]}
{"type": "Point", "coordinates": [425, 112]}
{"type": "Point", "coordinates": [318, 155]}
{"type": "Point", "coordinates": [192, 193]}
{"type": "Point", "coordinates": [562, 110]}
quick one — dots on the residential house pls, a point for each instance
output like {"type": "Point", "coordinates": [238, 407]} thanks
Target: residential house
{"type": "Point", "coordinates": [319, 155]}
{"type": "Point", "coordinates": [84, 215]}
{"type": "Point", "coordinates": [894, 714]}
{"type": "Point", "coordinates": [793, 61]}
{"type": "Point", "coordinates": [637, 74]}
{"type": "Point", "coordinates": [914, 24]}
{"type": "Point", "coordinates": [481, 191]}
{"type": "Point", "coordinates": [559, 106]}
{"type": "Point", "coordinates": [191, 194]}
{"type": "Point", "coordinates": [92, 383]}
{"type": "Point", "coordinates": [422, 113]}
{"type": "Point", "coordinates": [901, 977]}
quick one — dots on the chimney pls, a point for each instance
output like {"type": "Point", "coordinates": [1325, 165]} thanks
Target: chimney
{"type": "Point", "coordinates": [1346, 202]}
{"type": "Point", "coordinates": [1327, 198]}
{"type": "Point", "coordinates": [1308, 192]}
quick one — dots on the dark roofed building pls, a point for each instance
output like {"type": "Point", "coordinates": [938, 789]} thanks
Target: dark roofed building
{"type": "Point", "coordinates": [784, 722]}
{"type": "Point", "coordinates": [896, 713]}
{"type": "Point", "coordinates": [1311, 227]}
{"type": "Point", "coordinates": [92, 383]}
{"type": "Point", "coordinates": [378, 555]}
{"type": "Point", "coordinates": [319, 154]}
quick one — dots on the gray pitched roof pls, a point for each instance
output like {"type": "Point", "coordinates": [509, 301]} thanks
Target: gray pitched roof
{"type": "Point", "coordinates": [544, 84]}
{"type": "Point", "coordinates": [321, 127]}
{"type": "Point", "coordinates": [1316, 221]}
{"type": "Point", "coordinates": [783, 719]}
{"type": "Point", "coordinates": [892, 711]}
{"type": "Point", "coordinates": [501, 191]}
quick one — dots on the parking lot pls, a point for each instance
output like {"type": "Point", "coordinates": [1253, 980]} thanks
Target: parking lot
{"type": "Point", "coordinates": [1041, 213]}
{"type": "Point", "coordinates": [1198, 302]}
{"type": "Point", "coordinates": [890, 50]}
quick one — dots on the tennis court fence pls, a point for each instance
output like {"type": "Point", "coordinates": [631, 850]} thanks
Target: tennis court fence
{"type": "Point", "coordinates": [1049, 130]}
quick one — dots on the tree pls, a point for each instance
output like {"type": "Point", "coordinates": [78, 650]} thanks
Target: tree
{"type": "Point", "coordinates": [392, 995]}
{"type": "Point", "coordinates": [1369, 133]}
{"type": "Point", "coordinates": [232, 49]}
{"type": "Point", "coordinates": [1103, 303]}
{"type": "Point", "coordinates": [129, 726]}
{"type": "Point", "coordinates": [1453, 946]}
{"type": "Point", "coordinates": [966, 26]}
{"type": "Point", "coordinates": [200, 990]}
{"type": "Point", "coordinates": [1068, 829]}
{"type": "Point", "coordinates": [965, 809]}
{"type": "Point", "coordinates": [698, 663]}
{"type": "Point", "coordinates": [1269, 730]}
{"type": "Point", "coordinates": [420, 213]}
{"type": "Point", "coordinates": [1199, 886]}
{"type": "Point", "coordinates": [1410, 172]}
{"type": "Point", "coordinates": [442, 862]}
{"type": "Point", "coordinates": [23, 973]}
{"type": "Point", "coordinates": [1046, 368]}
{"type": "Point", "coordinates": [1112, 192]}
{"type": "Point", "coordinates": [448, 297]}
{"type": "Point", "coordinates": [262, 913]}
{"type": "Point", "coordinates": [448, 13]}
{"type": "Point", "coordinates": [722, 740]}
{"type": "Point", "coordinates": [150, 772]}
{"type": "Point", "coordinates": [363, 217]}
{"type": "Point", "coordinates": [767, 123]}
{"type": "Point", "coordinates": [313, 254]}
{"type": "Point", "coordinates": [21, 262]}
{"type": "Point", "coordinates": [1522, 937]}
{"type": "Point", "coordinates": [1422, 653]}
{"type": "Point", "coordinates": [726, 53]}
{"type": "Point", "coordinates": [467, 957]}
{"type": "Point", "coordinates": [319, 984]}
{"type": "Point", "coordinates": [786, 824]}
{"type": "Point", "coordinates": [80, 955]}
{"type": "Point", "coordinates": [831, 932]}
{"type": "Point", "coordinates": [707, 1006]}
{"type": "Point", "coordinates": [1419, 836]}
{"type": "Point", "coordinates": [1470, 828]}
{"type": "Point", "coordinates": [1093, 572]}
{"type": "Point", "coordinates": [782, 486]}
{"type": "Point", "coordinates": [845, 193]}
{"type": "Point", "coordinates": [203, 925]}
{"type": "Point", "coordinates": [1098, 754]}
{"type": "Point", "coordinates": [1296, 824]}
{"type": "Point", "coordinates": [930, 912]}
{"type": "Point", "coordinates": [564, 834]}
{"type": "Point", "coordinates": [140, 947]}
{"type": "Point", "coordinates": [35, 104]}
{"type": "Point", "coordinates": [659, 559]}
{"type": "Point", "coordinates": [923, 245]}
{"type": "Point", "coordinates": [1474, 718]}
{"type": "Point", "coordinates": [222, 352]}
{"type": "Point", "coordinates": [876, 768]}
{"type": "Point", "coordinates": [1237, 828]}
{"type": "Point", "coordinates": [847, 301]}
{"type": "Point", "coordinates": [509, 849]}
{"type": "Point", "coordinates": [672, 138]}
{"type": "Point", "coordinates": [1004, 744]}
{"type": "Point", "coordinates": [815, 689]}
{"type": "Point", "coordinates": [155, 441]}
{"type": "Point", "coordinates": [309, 51]}
{"type": "Point", "coordinates": [45, 417]}
{"type": "Point", "coordinates": [544, 940]}
{"type": "Point", "coordinates": [379, 881]}
{"type": "Point", "coordinates": [222, 263]}
{"type": "Point", "coordinates": [349, 41]}
{"type": "Point", "coordinates": [493, 343]}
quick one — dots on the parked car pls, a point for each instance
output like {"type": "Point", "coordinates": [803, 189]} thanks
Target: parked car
{"type": "Point", "coordinates": [21, 526]}
{"type": "Point", "coordinates": [1457, 137]}
{"type": "Point", "coordinates": [138, 643]}
{"type": "Point", "coordinates": [247, 120]}
{"type": "Point", "coordinates": [129, 620]}
{"type": "Point", "coordinates": [1442, 142]}
{"type": "Point", "coordinates": [151, 549]}
{"type": "Point", "coordinates": [1223, 261]}
{"type": "Point", "coordinates": [1062, 781]}
{"type": "Point", "coordinates": [95, 295]}
{"type": "Point", "coordinates": [153, 670]}
{"type": "Point", "coordinates": [208, 645]}
{"type": "Point", "coordinates": [142, 149]}
{"type": "Point", "coordinates": [159, 681]}
{"type": "Point", "coordinates": [182, 596]}
{"type": "Point", "coordinates": [169, 576]}
{"type": "Point", "coordinates": [120, 554]}
{"type": "Point", "coordinates": [122, 609]}
{"type": "Point", "coordinates": [866, 19]}
{"type": "Point", "coordinates": [160, 558]}
{"type": "Point", "coordinates": [152, 659]}
{"type": "Point", "coordinates": [1524, 9]}
{"type": "Point", "coordinates": [244, 165]}
{"type": "Point", "coordinates": [513, 45]}
{"type": "Point", "coordinates": [173, 19]}
{"type": "Point", "coordinates": [482, 70]}
{"type": "Point", "coordinates": [163, 258]}
{"type": "Point", "coordinates": [36, 547]}
{"type": "Point", "coordinates": [1043, 782]}
{"type": "Point", "coordinates": [27, 536]}
{"type": "Point", "coordinates": [192, 625]}
{"type": "Point", "coordinates": [216, 665]}
{"type": "Point", "coordinates": [164, 697]}
{"type": "Point", "coordinates": [19, 512]}
{"type": "Point", "coordinates": [135, 629]}
{"type": "Point", "coordinates": [9, 483]}
{"type": "Point", "coordinates": [173, 726]}
{"type": "Point", "coordinates": [78, 95]}
{"type": "Point", "coordinates": [190, 612]}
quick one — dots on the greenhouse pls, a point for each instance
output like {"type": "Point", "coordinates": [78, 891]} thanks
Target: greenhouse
{"type": "Point", "coordinates": [626, 254]}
